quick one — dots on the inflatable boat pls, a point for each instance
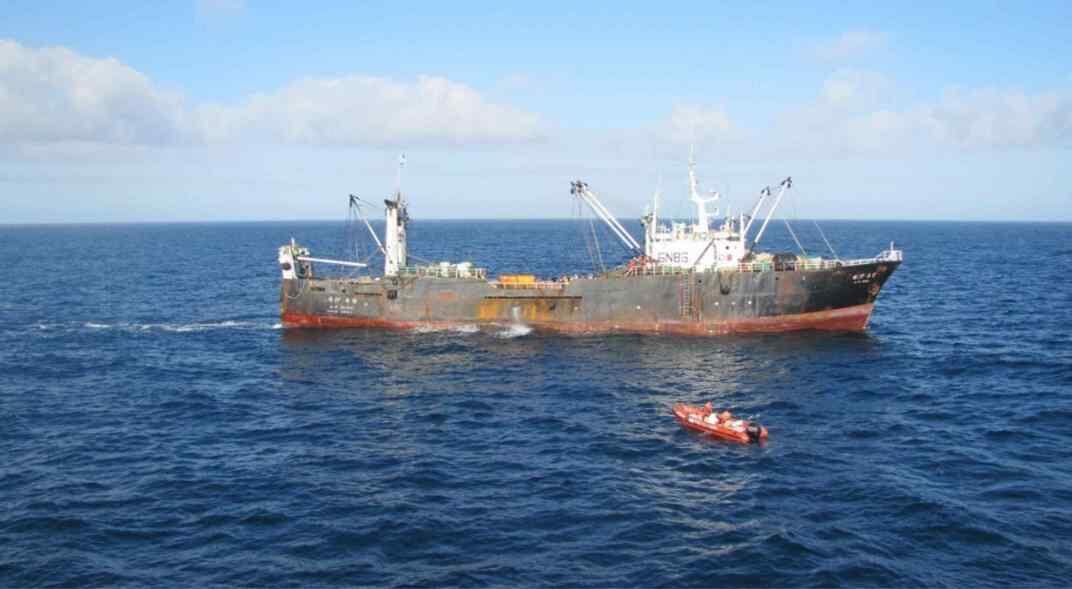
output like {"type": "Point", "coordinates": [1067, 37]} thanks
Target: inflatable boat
{"type": "Point", "coordinates": [723, 425]}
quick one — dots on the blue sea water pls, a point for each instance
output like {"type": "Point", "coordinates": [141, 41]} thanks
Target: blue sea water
{"type": "Point", "coordinates": [160, 429]}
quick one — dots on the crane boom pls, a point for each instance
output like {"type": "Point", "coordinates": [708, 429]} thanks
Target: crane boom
{"type": "Point", "coordinates": [580, 190]}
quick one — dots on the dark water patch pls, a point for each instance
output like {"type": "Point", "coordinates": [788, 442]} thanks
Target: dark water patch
{"type": "Point", "coordinates": [1006, 435]}
{"type": "Point", "coordinates": [1013, 492]}
{"type": "Point", "coordinates": [1048, 416]}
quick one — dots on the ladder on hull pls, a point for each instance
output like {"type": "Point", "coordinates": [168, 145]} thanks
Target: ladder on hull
{"type": "Point", "coordinates": [686, 295]}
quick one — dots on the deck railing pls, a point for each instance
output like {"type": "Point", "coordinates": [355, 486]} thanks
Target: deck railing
{"type": "Point", "coordinates": [437, 271]}
{"type": "Point", "coordinates": [453, 271]}
{"type": "Point", "coordinates": [764, 266]}
{"type": "Point", "coordinates": [539, 284]}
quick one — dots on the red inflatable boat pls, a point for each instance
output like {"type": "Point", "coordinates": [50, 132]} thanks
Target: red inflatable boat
{"type": "Point", "coordinates": [722, 425]}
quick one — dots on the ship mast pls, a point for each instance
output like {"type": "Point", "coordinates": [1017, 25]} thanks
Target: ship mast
{"type": "Point", "coordinates": [651, 220]}
{"type": "Point", "coordinates": [395, 231]}
{"type": "Point", "coordinates": [702, 216]}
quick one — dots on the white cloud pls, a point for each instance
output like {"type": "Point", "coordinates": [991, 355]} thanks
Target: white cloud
{"type": "Point", "coordinates": [54, 95]}
{"type": "Point", "coordinates": [847, 116]}
{"type": "Point", "coordinates": [363, 110]}
{"type": "Point", "coordinates": [854, 89]}
{"type": "Point", "coordinates": [853, 114]}
{"type": "Point", "coordinates": [856, 112]}
{"type": "Point", "coordinates": [1000, 118]}
{"type": "Point", "coordinates": [849, 45]}
{"type": "Point", "coordinates": [690, 123]}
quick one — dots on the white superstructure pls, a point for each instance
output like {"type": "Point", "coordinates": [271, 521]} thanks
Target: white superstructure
{"type": "Point", "coordinates": [696, 245]}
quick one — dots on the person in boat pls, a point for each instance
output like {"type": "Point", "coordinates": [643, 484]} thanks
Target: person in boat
{"type": "Point", "coordinates": [710, 416]}
{"type": "Point", "coordinates": [725, 419]}
{"type": "Point", "coordinates": [731, 421]}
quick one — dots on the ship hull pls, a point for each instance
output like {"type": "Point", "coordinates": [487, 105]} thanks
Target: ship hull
{"type": "Point", "coordinates": [700, 304]}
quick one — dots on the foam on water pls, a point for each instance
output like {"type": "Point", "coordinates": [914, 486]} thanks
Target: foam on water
{"type": "Point", "coordinates": [514, 330]}
{"type": "Point", "coordinates": [464, 329]}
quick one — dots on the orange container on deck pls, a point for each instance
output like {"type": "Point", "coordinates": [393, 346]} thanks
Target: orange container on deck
{"type": "Point", "coordinates": [517, 279]}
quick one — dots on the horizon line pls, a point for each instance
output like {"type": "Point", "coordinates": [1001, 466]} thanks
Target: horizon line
{"type": "Point", "coordinates": [486, 219]}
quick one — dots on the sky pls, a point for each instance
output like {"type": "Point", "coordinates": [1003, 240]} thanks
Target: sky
{"type": "Point", "coordinates": [213, 110]}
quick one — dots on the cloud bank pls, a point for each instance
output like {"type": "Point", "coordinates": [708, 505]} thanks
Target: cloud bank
{"type": "Point", "coordinates": [853, 114]}
{"type": "Point", "coordinates": [53, 95]}
{"type": "Point", "coordinates": [363, 110]}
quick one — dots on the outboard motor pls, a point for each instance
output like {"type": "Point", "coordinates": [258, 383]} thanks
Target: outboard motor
{"type": "Point", "coordinates": [753, 432]}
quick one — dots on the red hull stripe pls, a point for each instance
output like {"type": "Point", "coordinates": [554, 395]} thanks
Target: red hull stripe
{"type": "Point", "coordinates": [853, 318]}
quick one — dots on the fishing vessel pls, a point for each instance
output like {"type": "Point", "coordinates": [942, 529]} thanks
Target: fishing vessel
{"type": "Point", "coordinates": [688, 278]}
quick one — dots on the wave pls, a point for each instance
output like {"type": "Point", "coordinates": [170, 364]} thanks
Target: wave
{"type": "Point", "coordinates": [188, 327]}
{"type": "Point", "coordinates": [174, 327]}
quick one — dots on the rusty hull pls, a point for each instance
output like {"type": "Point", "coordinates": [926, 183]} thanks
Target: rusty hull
{"type": "Point", "coordinates": [704, 303]}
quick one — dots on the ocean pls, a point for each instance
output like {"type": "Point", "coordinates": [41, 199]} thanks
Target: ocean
{"type": "Point", "coordinates": [160, 428]}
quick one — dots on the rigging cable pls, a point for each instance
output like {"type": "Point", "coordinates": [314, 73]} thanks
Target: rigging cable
{"type": "Point", "coordinates": [353, 243]}
{"type": "Point", "coordinates": [595, 241]}
{"type": "Point", "coordinates": [823, 235]}
{"type": "Point", "coordinates": [796, 215]}
{"type": "Point", "coordinates": [790, 228]}
{"type": "Point", "coordinates": [419, 259]}
{"type": "Point", "coordinates": [578, 213]}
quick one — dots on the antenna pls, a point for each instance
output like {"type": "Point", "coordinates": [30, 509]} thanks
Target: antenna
{"type": "Point", "coordinates": [398, 177]}
{"type": "Point", "coordinates": [655, 200]}
{"type": "Point", "coordinates": [693, 192]}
